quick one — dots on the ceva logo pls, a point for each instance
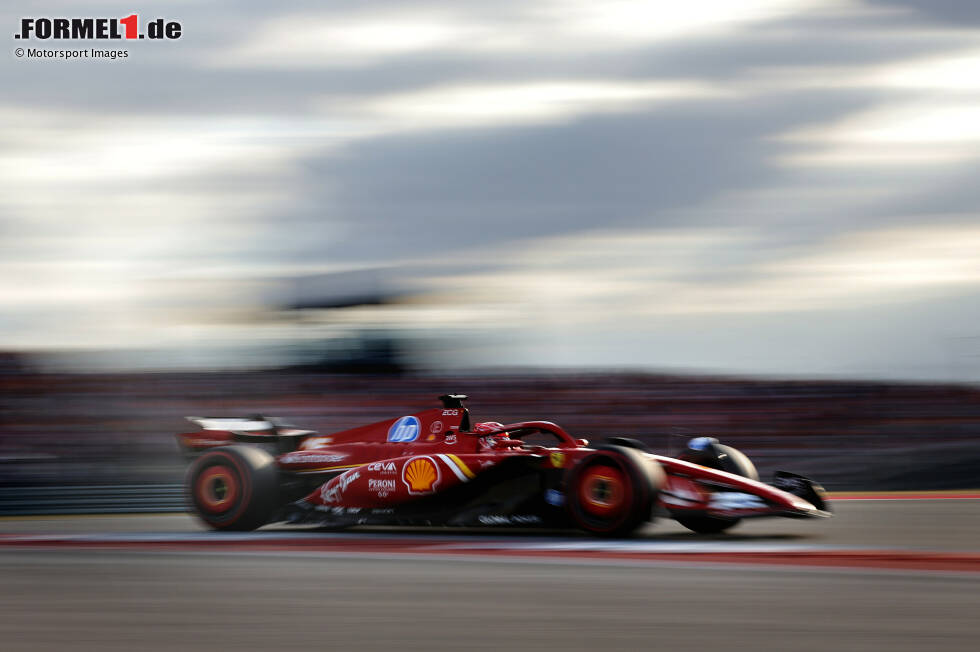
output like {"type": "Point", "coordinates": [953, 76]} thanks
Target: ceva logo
{"type": "Point", "coordinates": [404, 430]}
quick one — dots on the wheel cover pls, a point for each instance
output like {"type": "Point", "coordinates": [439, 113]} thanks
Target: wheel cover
{"type": "Point", "coordinates": [217, 489]}
{"type": "Point", "coordinates": [602, 491]}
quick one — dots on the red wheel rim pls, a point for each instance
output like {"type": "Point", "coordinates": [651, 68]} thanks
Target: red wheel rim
{"type": "Point", "coordinates": [217, 489]}
{"type": "Point", "coordinates": [602, 490]}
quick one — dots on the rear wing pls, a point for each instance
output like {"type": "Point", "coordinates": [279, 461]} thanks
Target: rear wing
{"type": "Point", "coordinates": [233, 424]}
{"type": "Point", "coordinates": [221, 431]}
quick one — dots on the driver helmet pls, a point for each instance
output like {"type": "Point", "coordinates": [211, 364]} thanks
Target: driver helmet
{"type": "Point", "coordinates": [489, 426]}
{"type": "Point", "coordinates": [489, 443]}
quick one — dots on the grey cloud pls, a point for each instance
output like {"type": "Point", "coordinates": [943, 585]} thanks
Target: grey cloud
{"type": "Point", "coordinates": [174, 78]}
{"type": "Point", "coordinates": [431, 195]}
{"type": "Point", "coordinates": [953, 193]}
{"type": "Point", "coordinates": [440, 190]}
{"type": "Point", "coordinates": [946, 12]}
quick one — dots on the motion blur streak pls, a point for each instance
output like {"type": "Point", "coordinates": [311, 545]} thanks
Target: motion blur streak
{"type": "Point", "coordinates": [755, 220]}
{"type": "Point", "coordinates": [161, 600]}
{"type": "Point", "coordinates": [110, 429]}
{"type": "Point", "coordinates": [761, 188]}
{"type": "Point", "coordinates": [158, 602]}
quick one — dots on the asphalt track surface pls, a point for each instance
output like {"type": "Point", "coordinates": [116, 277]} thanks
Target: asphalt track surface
{"type": "Point", "coordinates": [162, 583]}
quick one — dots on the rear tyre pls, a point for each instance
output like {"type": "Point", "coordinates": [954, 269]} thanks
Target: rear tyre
{"type": "Point", "coordinates": [611, 492]}
{"type": "Point", "coordinates": [724, 458]}
{"type": "Point", "coordinates": [234, 487]}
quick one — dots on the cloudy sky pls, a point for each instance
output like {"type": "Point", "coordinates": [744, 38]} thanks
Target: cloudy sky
{"type": "Point", "coordinates": [779, 187]}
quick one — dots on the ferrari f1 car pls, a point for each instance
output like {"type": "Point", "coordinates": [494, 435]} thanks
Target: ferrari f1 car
{"type": "Point", "coordinates": [437, 468]}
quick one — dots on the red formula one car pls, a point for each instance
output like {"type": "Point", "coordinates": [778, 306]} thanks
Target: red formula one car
{"type": "Point", "coordinates": [437, 468]}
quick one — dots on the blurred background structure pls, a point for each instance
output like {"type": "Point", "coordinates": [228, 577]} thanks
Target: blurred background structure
{"type": "Point", "coordinates": [91, 430]}
{"type": "Point", "coordinates": [632, 212]}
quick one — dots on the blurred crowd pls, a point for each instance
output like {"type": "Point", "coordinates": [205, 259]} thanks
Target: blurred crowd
{"type": "Point", "coordinates": [113, 428]}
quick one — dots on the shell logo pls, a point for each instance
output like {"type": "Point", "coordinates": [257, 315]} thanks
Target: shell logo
{"type": "Point", "coordinates": [421, 475]}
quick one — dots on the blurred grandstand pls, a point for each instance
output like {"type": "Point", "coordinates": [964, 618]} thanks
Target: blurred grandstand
{"type": "Point", "coordinates": [117, 429]}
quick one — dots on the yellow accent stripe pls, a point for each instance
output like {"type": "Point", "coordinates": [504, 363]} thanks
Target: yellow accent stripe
{"type": "Point", "coordinates": [327, 468]}
{"type": "Point", "coordinates": [462, 466]}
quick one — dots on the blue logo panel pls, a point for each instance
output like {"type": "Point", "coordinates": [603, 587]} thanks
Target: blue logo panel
{"type": "Point", "coordinates": [404, 430]}
{"type": "Point", "coordinates": [701, 443]}
{"type": "Point", "coordinates": [554, 497]}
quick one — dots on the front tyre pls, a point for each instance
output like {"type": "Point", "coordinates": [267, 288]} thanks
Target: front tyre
{"type": "Point", "coordinates": [611, 492]}
{"type": "Point", "coordinates": [703, 524]}
{"type": "Point", "coordinates": [724, 458]}
{"type": "Point", "coordinates": [234, 487]}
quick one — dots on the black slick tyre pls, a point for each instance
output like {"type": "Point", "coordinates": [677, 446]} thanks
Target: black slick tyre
{"type": "Point", "coordinates": [703, 524]}
{"type": "Point", "coordinates": [723, 458]}
{"type": "Point", "coordinates": [611, 492]}
{"type": "Point", "coordinates": [233, 487]}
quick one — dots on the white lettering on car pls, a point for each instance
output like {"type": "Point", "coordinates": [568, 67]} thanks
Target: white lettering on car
{"type": "Point", "coordinates": [382, 487]}
{"type": "Point", "coordinates": [326, 458]}
{"type": "Point", "coordinates": [517, 519]}
{"type": "Point", "coordinates": [332, 494]}
{"type": "Point", "coordinates": [734, 500]}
